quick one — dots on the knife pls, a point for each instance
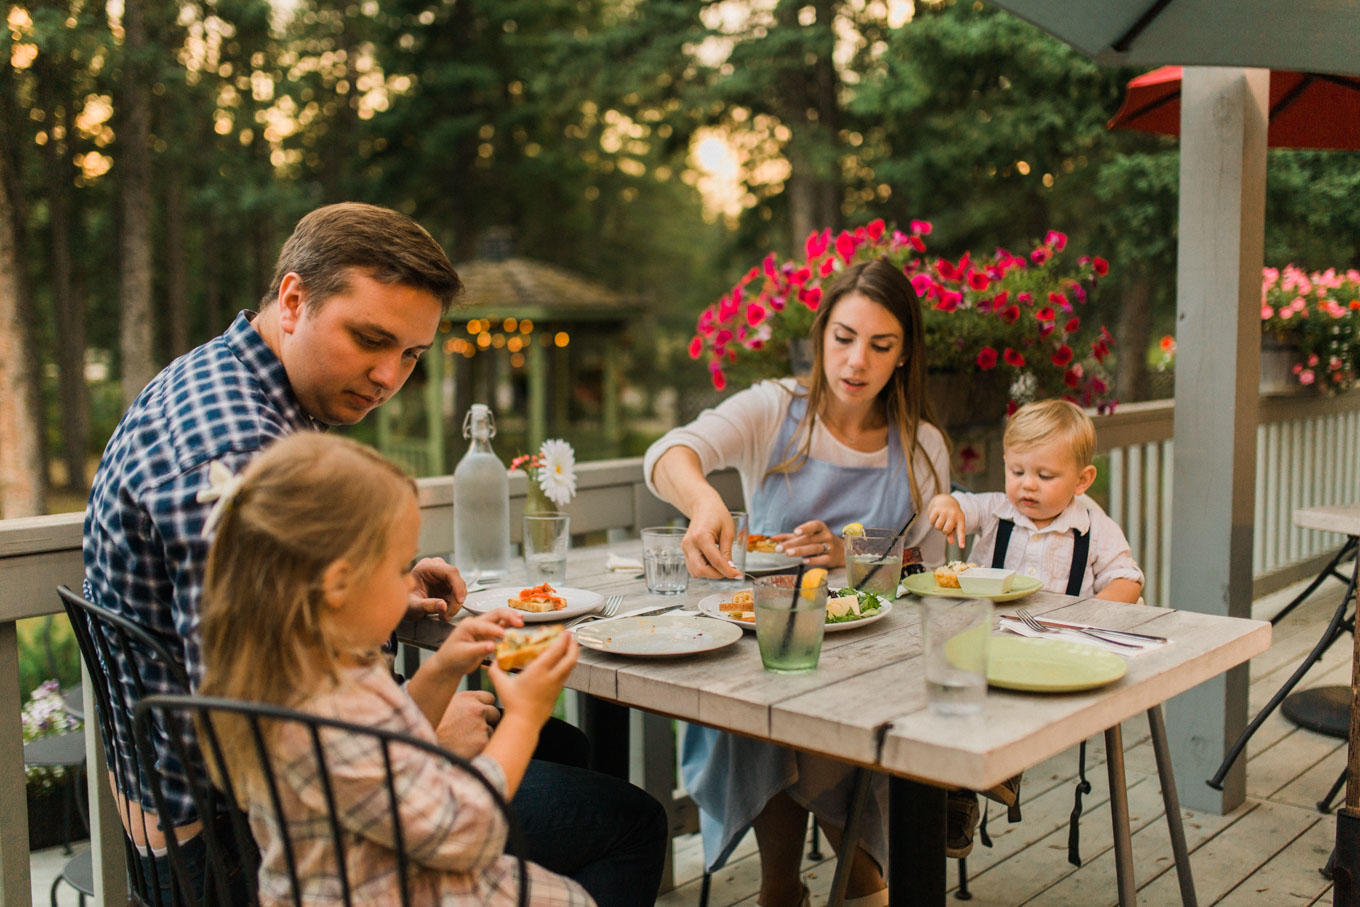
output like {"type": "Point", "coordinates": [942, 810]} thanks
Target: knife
{"type": "Point", "coordinates": [646, 612]}
{"type": "Point", "coordinates": [1129, 633]}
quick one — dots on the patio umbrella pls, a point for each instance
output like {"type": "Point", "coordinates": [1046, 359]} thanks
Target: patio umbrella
{"type": "Point", "coordinates": [1307, 110]}
{"type": "Point", "coordinates": [1306, 35]}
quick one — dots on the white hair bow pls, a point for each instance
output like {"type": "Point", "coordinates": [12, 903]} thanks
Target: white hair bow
{"type": "Point", "coordinates": [222, 487]}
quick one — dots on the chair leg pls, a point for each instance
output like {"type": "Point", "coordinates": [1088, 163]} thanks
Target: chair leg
{"type": "Point", "coordinates": [55, 884]}
{"type": "Point", "coordinates": [703, 889]}
{"type": "Point", "coordinates": [815, 851]}
{"type": "Point", "coordinates": [854, 823]}
{"type": "Point", "coordinates": [962, 893]}
{"type": "Point", "coordinates": [1325, 804]}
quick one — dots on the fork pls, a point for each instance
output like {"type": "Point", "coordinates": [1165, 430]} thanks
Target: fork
{"type": "Point", "coordinates": [610, 608]}
{"type": "Point", "coordinates": [1029, 620]}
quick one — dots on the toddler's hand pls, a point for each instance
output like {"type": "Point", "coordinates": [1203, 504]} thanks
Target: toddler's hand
{"type": "Point", "coordinates": [946, 515]}
{"type": "Point", "coordinates": [532, 693]}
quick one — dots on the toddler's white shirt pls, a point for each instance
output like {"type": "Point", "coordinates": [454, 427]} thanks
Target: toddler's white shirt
{"type": "Point", "coordinates": [1047, 553]}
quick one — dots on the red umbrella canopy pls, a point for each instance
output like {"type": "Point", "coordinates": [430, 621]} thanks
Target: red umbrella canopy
{"type": "Point", "coordinates": [1307, 110]}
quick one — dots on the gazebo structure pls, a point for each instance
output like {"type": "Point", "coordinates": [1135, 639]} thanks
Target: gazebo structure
{"type": "Point", "coordinates": [531, 339]}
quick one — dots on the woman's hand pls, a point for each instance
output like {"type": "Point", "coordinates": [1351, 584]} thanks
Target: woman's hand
{"type": "Point", "coordinates": [708, 541]}
{"type": "Point", "coordinates": [814, 543]}
{"type": "Point", "coordinates": [531, 694]}
{"type": "Point", "coordinates": [439, 589]}
{"type": "Point", "coordinates": [945, 514]}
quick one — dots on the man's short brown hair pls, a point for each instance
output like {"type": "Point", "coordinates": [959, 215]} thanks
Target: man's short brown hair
{"type": "Point", "coordinates": [389, 246]}
{"type": "Point", "coordinates": [1048, 420]}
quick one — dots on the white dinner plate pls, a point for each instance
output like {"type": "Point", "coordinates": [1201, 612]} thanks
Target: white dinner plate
{"type": "Point", "coordinates": [708, 606]}
{"type": "Point", "coordinates": [579, 601]}
{"type": "Point", "coordinates": [660, 635]}
{"type": "Point", "coordinates": [760, 561]}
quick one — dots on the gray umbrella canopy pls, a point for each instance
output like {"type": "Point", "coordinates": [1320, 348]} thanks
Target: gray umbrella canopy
{"type": "Point", "coordinates": [1309, 35]}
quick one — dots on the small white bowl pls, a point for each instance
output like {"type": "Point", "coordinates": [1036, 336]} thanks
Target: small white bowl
{"type": "Point", "coordinates": [986, 580]}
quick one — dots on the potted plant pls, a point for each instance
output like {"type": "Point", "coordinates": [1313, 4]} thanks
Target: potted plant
{"type": "Point", "coordinates": [1011, 323]}
{"type": "Point", "coordinates": [1310, 330]}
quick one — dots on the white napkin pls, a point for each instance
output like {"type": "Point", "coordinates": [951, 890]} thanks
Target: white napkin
{"type": "Point", "coordinates": [1133, 647]}
{"type": "Point", "coordinates": [622, 564]}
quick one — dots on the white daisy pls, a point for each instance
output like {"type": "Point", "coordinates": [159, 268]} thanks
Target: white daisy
{"type": "Point", "coordinates": [557, 475]}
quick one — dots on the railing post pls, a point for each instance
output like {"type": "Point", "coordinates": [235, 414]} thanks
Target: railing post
{"type": "Point", "coordinates": [106, 831]}
{"type": "Point", "coordinates": [15, 887]}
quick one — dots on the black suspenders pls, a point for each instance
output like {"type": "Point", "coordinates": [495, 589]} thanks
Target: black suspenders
{"type": "Point", "coordinates": [1081, 550]}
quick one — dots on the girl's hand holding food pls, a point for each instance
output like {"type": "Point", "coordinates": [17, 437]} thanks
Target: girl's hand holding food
{"type": "Point", "coordinates": [531, 694]}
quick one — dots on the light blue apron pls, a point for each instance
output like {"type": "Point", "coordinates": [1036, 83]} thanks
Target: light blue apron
{"type": "Point", "coordinates": [731, 778]}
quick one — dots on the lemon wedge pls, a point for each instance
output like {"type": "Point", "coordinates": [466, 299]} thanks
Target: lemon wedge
{"type": "Point", "coordinates": [811, 580]}
{"type": "Point", "coordinates": [856, 529]}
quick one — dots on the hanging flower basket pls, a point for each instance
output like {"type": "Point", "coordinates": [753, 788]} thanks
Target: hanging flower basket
{"type": "Point", "coordinates": [1016, 317]}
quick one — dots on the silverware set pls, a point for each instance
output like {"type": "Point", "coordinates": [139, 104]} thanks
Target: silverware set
{"type": "Point", "coordinates": [1097, 633]}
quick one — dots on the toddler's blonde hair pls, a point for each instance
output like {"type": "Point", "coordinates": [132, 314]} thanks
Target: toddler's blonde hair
{"type": "Point", "coordinates": [306, 501]}
{"type": "Point", "coordinates": [1044, 421]}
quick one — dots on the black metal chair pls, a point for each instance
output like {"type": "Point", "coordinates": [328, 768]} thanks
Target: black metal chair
{"type": "Point", "coordinates": [99, 634]}
{"type": "Point", "coordinates": [167, 711]}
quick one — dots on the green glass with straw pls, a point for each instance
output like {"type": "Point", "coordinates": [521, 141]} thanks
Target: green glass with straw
{"type": "Point", "coordinates": [790, 620]}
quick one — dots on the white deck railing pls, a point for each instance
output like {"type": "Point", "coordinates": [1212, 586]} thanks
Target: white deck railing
{"type": "Point", "coordinates": [1306, 454]}
{"type": "Point", "coordinates": [1307, 451]}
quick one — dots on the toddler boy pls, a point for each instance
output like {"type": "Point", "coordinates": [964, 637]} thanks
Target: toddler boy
{"type": "Point", "coordinates": [1045, 527]}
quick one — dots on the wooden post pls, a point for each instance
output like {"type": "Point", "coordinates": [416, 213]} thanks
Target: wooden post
{"type": "Point", "coordinates": [14, 882]}
{"type": "Point", "coordinates": [1222, 237]}
{"type": "Point", "coordinates": [106, 829]}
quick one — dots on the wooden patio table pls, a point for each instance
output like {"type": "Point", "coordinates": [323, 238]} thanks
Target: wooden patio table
{"type": "Point", "coordinates": [865, 705]}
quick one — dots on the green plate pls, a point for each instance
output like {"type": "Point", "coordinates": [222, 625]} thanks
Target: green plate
{"type": "Point", "coordinates": [924, 584]}
{"type": "Point", "coordinates": [1049, 665]}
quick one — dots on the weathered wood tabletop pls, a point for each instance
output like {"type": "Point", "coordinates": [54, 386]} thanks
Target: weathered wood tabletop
{"type": "Point", "coordinates": [865, 704]}
{"type": "Point", "coordinates": [871, 678]}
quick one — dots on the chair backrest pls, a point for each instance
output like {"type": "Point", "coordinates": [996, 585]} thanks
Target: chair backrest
{"type": "Point", "coordinates": [107, 640]}
{"type": "Point", "coordinates": [262, 720]}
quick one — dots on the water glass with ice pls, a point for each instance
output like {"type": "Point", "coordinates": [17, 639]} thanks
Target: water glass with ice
{"type": "Point", "coordinates": [663, 560]}
{"type": "Point", "coordinates": [955, 633]}
{"type": "Point", "coordinates": [873, 562]}
{"type": "Point", "coordinates": [546, 539]}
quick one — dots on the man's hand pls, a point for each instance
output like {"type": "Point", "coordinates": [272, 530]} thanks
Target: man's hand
{"type": "Point", "coordinates": [439, 589]}
{"type": "Point", "coordinates": [467, 723]}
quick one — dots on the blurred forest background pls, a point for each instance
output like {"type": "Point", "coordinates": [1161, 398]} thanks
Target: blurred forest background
{"type": "Point", "coordinates": [155, 155]}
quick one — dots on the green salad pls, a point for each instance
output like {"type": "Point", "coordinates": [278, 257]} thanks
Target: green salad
{"type": "Point", "coordinates": [869, 604]}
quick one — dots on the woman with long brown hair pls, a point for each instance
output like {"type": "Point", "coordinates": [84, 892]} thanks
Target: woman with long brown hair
{"type": "Point", "coordinates": [855, 441]}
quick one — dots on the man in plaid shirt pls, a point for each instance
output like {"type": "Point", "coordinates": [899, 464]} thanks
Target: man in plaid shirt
{"type": "Point", "coordinates": [357, 296]}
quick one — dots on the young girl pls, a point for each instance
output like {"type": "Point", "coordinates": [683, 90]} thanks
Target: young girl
{"type": "Point", "coordinates": [853, 442]}
{"type": "Point", "coordinates": [308, 576]}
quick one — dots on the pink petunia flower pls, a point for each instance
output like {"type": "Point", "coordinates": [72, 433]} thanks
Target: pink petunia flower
{"type": "Point", "coordinates": [978, 281]}
{"type": "Point", "coordinates": [755, 314]}
{"type": "Point", "coordinates": [1013, 358]}
{"type": "Point", "coordinates": [1101, 266]}
{"type": "Point", "coordinates": [922, 283]}
{"type": "Point", "coordinates": [696, 347]}
{"type": "Point", "coordinates": [920, 227]}
{"type": "Point", "coordinates": [986, 358]}
{"type": "Point", "coordinates": [1063, 356]}
{"type": "Point", "coordinates": [1045, 314]}
{"type": "Point", "coordinates": [1056, 240]}
{"type": "Point", "coordinates": [827, 267]}
{"type": "Point", "coordinates": [875, 229]}
{"type": "Point", "coordinates": [845, 246]}
{"type": "Point", "coordinates": [1307, 377]}
{"type": "Point", "coordinates": [1072, 325]}
{"type": "Point", "coordinates": [1010, 315]}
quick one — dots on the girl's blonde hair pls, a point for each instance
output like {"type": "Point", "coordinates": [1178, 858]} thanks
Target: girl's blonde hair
{"type": "Point", "coordinates": [305, 502]}
{"type": "Point", "coordinates": [903, 398]}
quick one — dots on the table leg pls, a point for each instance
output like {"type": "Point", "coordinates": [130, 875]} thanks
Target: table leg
{"type": "Point", "coordinates": [606, 724]}
{"type": "Point", "coordinates": [1119, 815]}
{"type": "Point", "coordinates": [916, 830]}
{"type": "Point", "coordinates": [1172, 801]}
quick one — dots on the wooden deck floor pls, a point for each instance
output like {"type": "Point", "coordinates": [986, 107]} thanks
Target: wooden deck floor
{"type": "Point", "coordinates": [1266, 852]}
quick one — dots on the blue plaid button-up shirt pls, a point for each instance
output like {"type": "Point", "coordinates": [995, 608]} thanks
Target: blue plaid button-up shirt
{"type": "Point", "coordinates": [145, 556]}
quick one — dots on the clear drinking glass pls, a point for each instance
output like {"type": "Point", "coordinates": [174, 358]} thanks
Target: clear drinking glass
{"type": "Point", "coordinates": [789, 624]}
{"type": "Point", "coordinates": [873, 562]}
{"type": "Point", "coordinates": [955, 633]}
{"type": "Point", "coordinates": [741, 522]}
{"type": "Point", "coordinates": [546, 539]}
{"type": "Point", "coordinates": [663, 560]}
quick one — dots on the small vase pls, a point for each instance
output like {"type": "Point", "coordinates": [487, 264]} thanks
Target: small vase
{"type": "Point", "coordinates": [536, 500]}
